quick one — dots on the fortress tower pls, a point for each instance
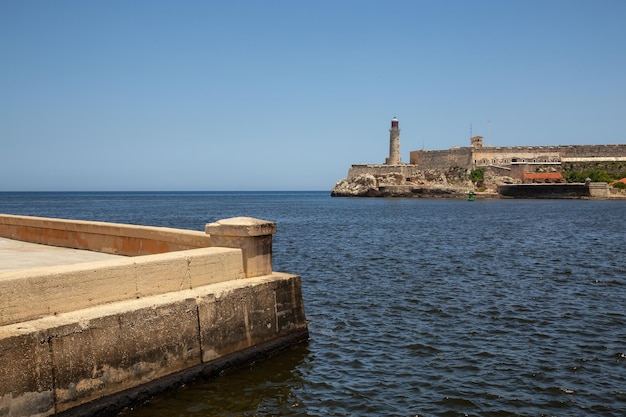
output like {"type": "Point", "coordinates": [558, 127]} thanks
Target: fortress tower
{"type": "Point", "coordinates": [477, 142]}
{"type": "Point", "coordinates": [394, 143]}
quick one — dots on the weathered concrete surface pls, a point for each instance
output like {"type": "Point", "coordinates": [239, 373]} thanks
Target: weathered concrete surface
{"type": "Point", "coordinates": [106, 353]}
{"type": "Point", "coordinates": [60, 362]}
{"type": "Point", "coordinates": [253, 236]}
{"type": "Point", "coordinates": [26, 373]}
{"type": "Point", "coordinates": [77, 339]}
{"type": "Point", "coordinates": [235, 320]}
{"type": "Point", "coordinates": [15, 254]}
{"type": "Point", "coordinates": [32, 293]}
{"type": "Point", "coordinates": [122, 239]}
{"type": "Point", "coordinates": [599, 190]}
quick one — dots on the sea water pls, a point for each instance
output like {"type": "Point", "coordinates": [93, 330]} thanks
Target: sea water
{"type": "Point", "coordinates": [415, 306]}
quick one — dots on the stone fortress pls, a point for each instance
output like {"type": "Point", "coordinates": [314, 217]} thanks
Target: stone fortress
{"type": "Point", "coordinates": [446, 173]}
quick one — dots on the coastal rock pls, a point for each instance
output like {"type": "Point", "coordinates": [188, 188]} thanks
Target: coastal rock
{"type": "Point", "coordinates": [427, 183]}
{"type": "Point", "coordinates": [363, 185]}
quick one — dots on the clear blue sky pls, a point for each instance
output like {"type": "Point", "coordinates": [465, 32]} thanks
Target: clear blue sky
{"type": "Point", "coordinates": [286, 95]}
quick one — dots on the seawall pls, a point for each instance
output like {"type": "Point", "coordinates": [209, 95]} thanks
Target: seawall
{"type": "Point", "coordinates": [595, 190]}
{"type": "Point", "coordinates": [89, 338]}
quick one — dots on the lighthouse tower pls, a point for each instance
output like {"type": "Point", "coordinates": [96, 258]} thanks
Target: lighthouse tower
{"type": "Point", "coordinates": [394, 143]}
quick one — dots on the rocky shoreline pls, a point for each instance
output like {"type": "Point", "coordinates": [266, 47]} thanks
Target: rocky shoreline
{"type": "Point", "coordinates": [366, 186]}
{"type": "Point", "coordinates": [454, 183]}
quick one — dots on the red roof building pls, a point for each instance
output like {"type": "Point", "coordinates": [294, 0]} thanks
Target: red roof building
{"type": "Point", "coordinates": [542, 177]}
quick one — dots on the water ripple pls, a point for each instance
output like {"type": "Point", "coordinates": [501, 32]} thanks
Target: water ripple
{"type": "Point", "coordinates": [419, 307]}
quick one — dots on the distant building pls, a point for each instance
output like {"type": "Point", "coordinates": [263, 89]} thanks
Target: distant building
{"type": "Point", "coordinates": [542, 177]}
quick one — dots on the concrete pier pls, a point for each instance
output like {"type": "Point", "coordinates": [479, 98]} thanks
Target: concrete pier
{"type": "Point", "coordinates": [15, 254]}
{"type": "Point", "coordinates": [163, 306]}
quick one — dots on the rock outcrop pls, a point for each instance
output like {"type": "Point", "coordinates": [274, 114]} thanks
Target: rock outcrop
{"type": "Point", "coordinates": [362, 186]}
{"type": "Point", "coordinates": [453, 183]}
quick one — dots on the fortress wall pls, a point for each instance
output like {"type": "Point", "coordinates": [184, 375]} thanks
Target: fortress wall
{"type": "Point", "coordinates": [587, 151]}
{"type": "Point", "coordinates": [466, 157]}
{"type": "Point", "coordinates": [505, 155]}
{"type": "Point", "coordinates": [406, 171]}
{"type": "Point", "coordinates": [570, 151]}
{"type": "Point", "coordinates": [442, 160]}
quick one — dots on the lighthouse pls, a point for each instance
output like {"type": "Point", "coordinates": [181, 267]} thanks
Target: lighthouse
{"type": "Point", "coordinates": [394, 143]}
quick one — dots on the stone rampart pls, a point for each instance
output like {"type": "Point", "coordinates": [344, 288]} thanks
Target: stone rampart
{"type": "Point", "coordinates": [606, 152]}
{"type": "Point", "coordinates": [506, 155]}
{"type": "Point", "coordinates": [443, 159]}
{"type": "Point", "coordinates": [405, 171]}
{"type": "Point", "coordinates": [515, 154]}
{"type": "Point", "coordinates": [79, 339]}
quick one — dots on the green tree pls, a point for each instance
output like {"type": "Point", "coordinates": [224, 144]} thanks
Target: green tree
{"type": "Point", "coordinates": [477, 175]}
{"type": "Point", "coordinates": [595, 175]}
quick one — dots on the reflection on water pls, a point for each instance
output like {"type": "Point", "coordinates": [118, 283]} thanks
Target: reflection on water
{"type": "Point", "coordinates": [268, 387]}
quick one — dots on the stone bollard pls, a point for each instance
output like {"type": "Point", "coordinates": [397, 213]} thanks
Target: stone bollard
{"type": "Point", "coordinates": [253, 236]}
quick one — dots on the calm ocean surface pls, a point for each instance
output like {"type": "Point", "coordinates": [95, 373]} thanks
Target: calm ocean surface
{"type": "Point", "coordinates": [415, 306]}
